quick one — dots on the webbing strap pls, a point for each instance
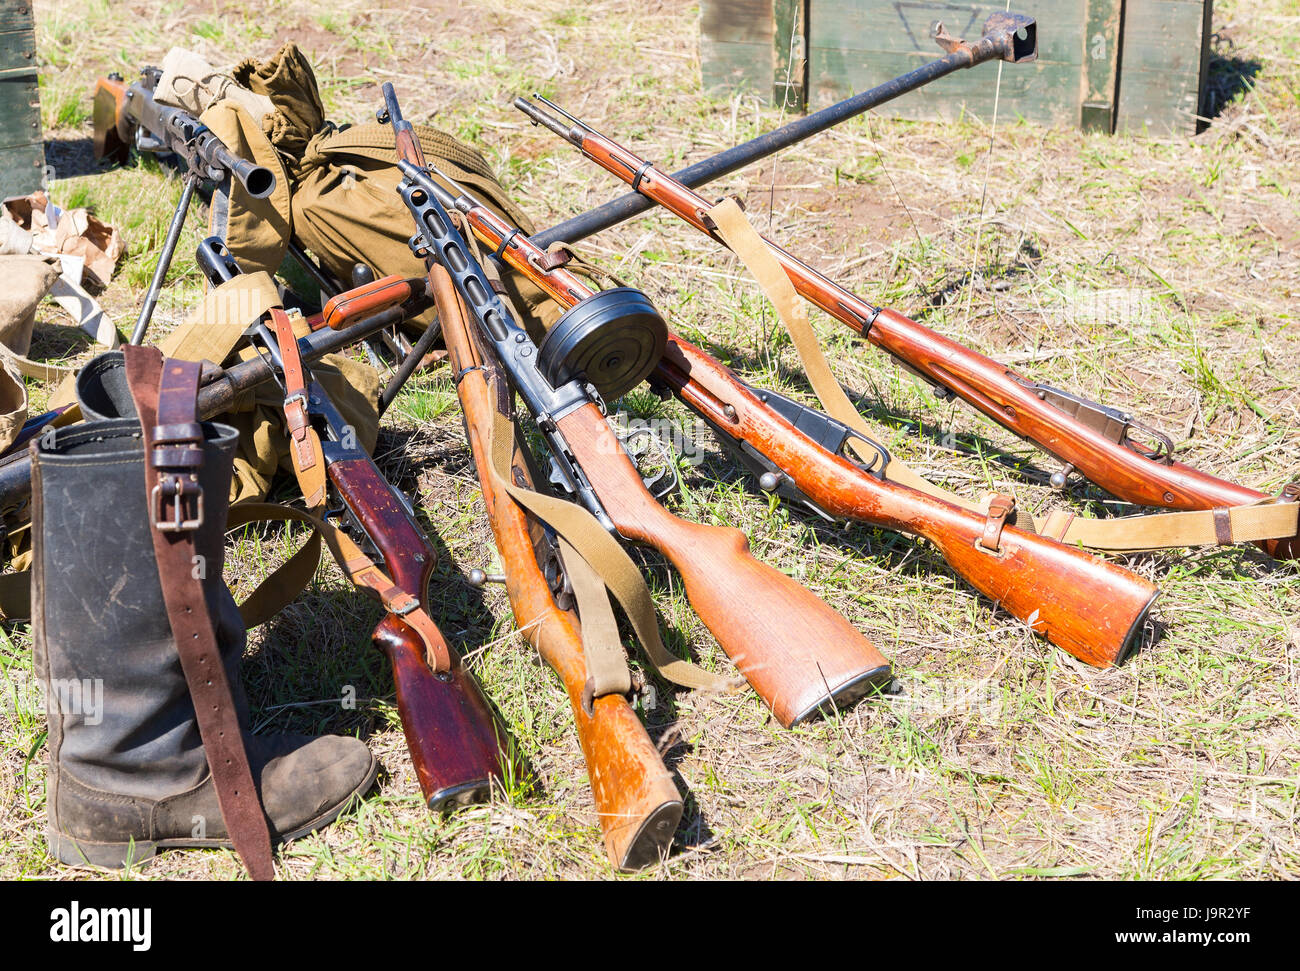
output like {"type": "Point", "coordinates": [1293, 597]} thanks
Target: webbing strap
{"type": "Point", "coordinates": [288, 580]}
{"type": "Point", "coordinates": [211, 331]}
{"type": "Point", "coordinates": [1271, 518]}
{"type": "Point", "coordinates": [607, 670]}
{"type": "Point", "coordinates": [215, 326]}
{"type": "Point", "coordinates": [599, 552]}
{"type": "Point", "coordinates": [360, 570]}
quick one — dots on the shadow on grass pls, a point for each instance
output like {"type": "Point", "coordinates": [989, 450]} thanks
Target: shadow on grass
{"type": "Point", "coordinates": [1228, 77]}
{"type": "Point", "coordinates": [68, 158]}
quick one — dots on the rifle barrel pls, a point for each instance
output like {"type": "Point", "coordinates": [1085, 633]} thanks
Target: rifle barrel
{"type": "Point", "coordinates": [1002, 40]}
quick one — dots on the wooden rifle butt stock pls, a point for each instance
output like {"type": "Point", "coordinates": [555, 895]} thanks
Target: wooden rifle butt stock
{"type": "Point", "coordinates": [458, 745]}
{"type": "Point", "coordinates": [112, 138]}
{"type": "Point", "coordinates": [1094, 609]}
{"type": "Point", "coordinates": [636, 800]}
{"type": "Point", "coordinates": [800, 655]}
{"type": "Point", "coordinates": [1085, 605]}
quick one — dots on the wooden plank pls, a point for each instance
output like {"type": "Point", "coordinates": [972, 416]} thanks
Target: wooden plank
{"type": "Point", "coordinates": [1101, 59]}
{"type": "Point", "coordinates": [904, 26]}
{"type": "Point", "coordinates": [22, 169]}
{"type": "Point", "coordinates": [18, 51]}
{"type": "Point", "coordinates": [855, 45]}
{"type": "Point", "coordinates": [1164, 57]}
{"type": "Point", "coordinates": [1048, 94]}
{"type": "Point", "coordinates": [20, 113]}
{"type": "Point", "coordinates": [16, 15]}
{"type": "Point", "coordinates": [736, 45]}
{"type": "Point", "coordinates": [790, 54]}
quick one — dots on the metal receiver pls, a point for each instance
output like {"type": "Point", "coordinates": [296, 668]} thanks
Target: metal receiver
{"type": "Point", "coordinates": [439, 241]}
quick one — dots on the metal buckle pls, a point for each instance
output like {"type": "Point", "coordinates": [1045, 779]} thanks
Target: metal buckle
{"type": "Point", "coordinates": [403, 606]}
{"type": "Point", "coordinates": [175, 490]}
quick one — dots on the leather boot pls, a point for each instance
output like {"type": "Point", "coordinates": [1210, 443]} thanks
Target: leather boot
{"type": "Point", "coordinates": [127, 770]}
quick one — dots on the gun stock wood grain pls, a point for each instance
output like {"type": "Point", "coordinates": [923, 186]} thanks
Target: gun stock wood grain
{"type": "Point", "coordinates": [1080, 602]}
{"type": "Point", "coordinates": [457, 743]}
{"type": "Point", "coordinates": [797, 652]}
{"type": "Point", "coordinates": [636, 799]}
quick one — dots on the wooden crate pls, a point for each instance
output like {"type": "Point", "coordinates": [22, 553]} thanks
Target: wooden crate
{"type": "Point", "coordinates": [1128, 65]}
{"type": "Point", "coordinates": [22, 152]}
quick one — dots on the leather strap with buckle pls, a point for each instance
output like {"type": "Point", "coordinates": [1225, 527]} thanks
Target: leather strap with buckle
{"type": "Point", "coordinates": [308, 458]}
{"type": "Point", "coordinates": [175, 453]}
{"type": "Point", "coordinates": [165, 393]}
{"type": "Point", "coordinates": [1001, 506]}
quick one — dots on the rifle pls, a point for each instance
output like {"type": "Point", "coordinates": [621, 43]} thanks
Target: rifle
{"type": "Point", "coordinates": [1108, 446]}
{"type": "Point", "coordinates": [124, 116]}
{"type": "Point", "coordinates": [458, 745]}
{"type": "Point", "coordinates": [636, 800]}
{"type": "Point", "coordinates": [220, 387]}
{"type": "Point", "coordinates": [798, 653]}
{"type": "Point", "coordinates": [1089, 607]}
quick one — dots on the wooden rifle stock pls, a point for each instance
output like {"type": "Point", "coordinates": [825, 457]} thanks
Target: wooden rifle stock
{"type": "Point", "coordinates": [998, 391]}
{"type": "Point", "coordinates": [1087, 606]}
{"type": "Point", "coordinates": [112, 126]}
{"type": "Point", "coordinates": [457, 744]}
{"type": "Point", "coordinates": [636, 801]}
{"type": "Point", "coordinates": [799, 654]}
{"type": "Point", "coordinates": [345, 309]}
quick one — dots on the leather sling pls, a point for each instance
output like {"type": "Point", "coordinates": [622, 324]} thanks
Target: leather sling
{"type": "Point", "coordinates": [309, 467]}
{"type": "Point", "coordinates": [166, 397]}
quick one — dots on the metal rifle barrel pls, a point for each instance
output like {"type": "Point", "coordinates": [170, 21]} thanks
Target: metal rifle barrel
{"type": "Point", "coordinates": [182, 133]}
{"type": "Point", "coordinates": [257, 179]}
{"type": "Point", "coordinates": [1001, 43]}
{"type": "Point", "coordinates": [215, 397]}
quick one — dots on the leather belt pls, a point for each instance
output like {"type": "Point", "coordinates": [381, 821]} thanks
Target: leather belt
{"type": "Point", "coordinates": [166, 397]}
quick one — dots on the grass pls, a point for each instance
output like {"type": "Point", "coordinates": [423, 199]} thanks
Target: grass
{"type": "Point", "coordinates": [1157, 275]}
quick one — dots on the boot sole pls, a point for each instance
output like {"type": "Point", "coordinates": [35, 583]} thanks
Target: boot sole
{"type": "Point", "coordinates": [118, 856]}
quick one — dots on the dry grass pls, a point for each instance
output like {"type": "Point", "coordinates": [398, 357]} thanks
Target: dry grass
{"type": "Point", "coordinates": [1157, 275]}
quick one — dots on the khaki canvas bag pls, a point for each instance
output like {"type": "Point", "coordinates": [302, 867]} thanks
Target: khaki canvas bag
{"type": "Point", "coordinates": [336, 190]}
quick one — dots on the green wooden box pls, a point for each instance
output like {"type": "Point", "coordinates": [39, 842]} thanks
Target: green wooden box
{"type": "Point", "coordinates": [22, 152]}
{"type": "Point", "coordinates": [1126, 65]}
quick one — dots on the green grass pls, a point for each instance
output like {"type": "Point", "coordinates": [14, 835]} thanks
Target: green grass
{"type": "Point", "coordinates": [1155, 275]}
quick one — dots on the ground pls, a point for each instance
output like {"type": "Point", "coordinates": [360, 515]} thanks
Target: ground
{"type": "Point", "coordinates": [1157, 275]}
